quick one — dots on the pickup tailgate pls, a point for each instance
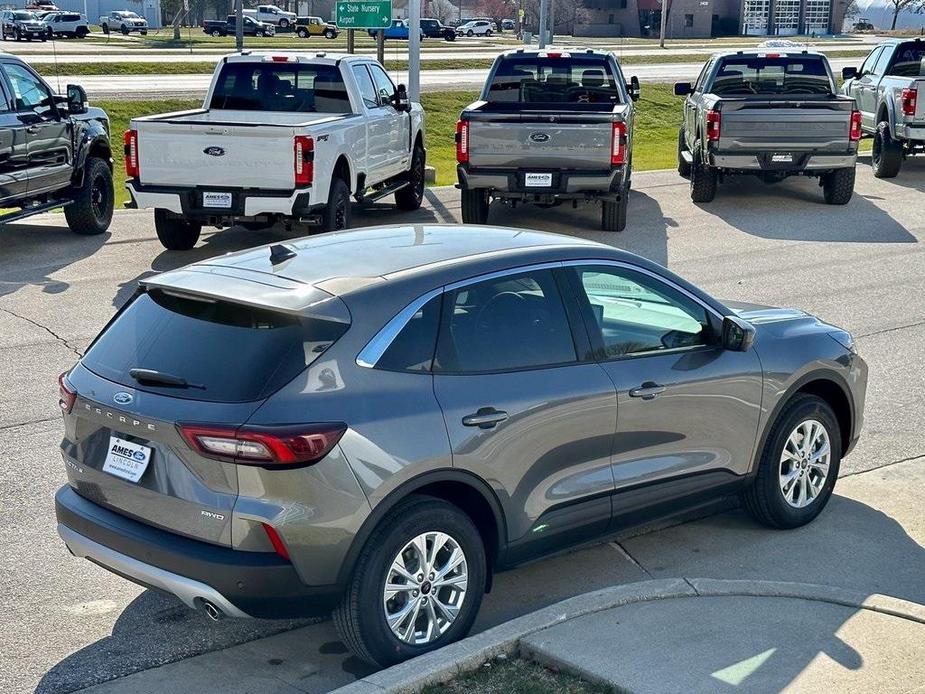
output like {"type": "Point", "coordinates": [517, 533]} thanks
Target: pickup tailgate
{"type": "Point", "coordinates": [793, 125]}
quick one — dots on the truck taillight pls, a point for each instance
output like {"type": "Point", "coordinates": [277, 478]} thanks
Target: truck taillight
{"type": "Point", "coordinates": [618, 144]}
{"type": "Point", "coordinates": [303, 160]}
{"type": "Point", "coordinates": [714, 120]}
{"type": "Point", "coordinates": [908, 101]}
{"type": "Point", "coordinates": [462, 141]}
{"type": "Point", "coordinates": [132, 169]}
{"type": "Point", "coordinates": [66, 396]}
{"type": "Point", "coordinates": [854, 132]}
{"type": "Point", "coordinates": [288, 446]}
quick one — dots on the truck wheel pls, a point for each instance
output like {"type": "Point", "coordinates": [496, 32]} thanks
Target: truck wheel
{"type": "Point", "coordinates": [684, 167]}
{"type": "Point", "coordinates": [417, 585]}
{"type": "Point", "coordinates": [838, 186]}
{"type": "Point", "coordinates": [105, 28]}
{"type": "Point", "coordinates": [613, 214]}
{"type": "Point", "coordinates": [886, 156]}
{"type": "Point", "coordinates": [703, 179]}
{"type": "Point", "coordinates": [301, 33]}
{"type": "Point", "coordinates": [410, 197]}
{"type": "Point", "coordinates": [284, 24]}
{"type": "Point", "coordinates": [175, 233]}
{"type": "Point", "coordinates": [330, 34]}
{"type": "Point", "coordinates": [82, 32]}
{"type": "Point", "coordinates": [91, 211]}
{"type": "Point", "coordinates": [337, 212]}
{"type": "Point", "coordinates": [216, 33]}
{"type": "Point", "coordinates": [474, 205]}
{"type": "Point", "coordinates": [124, 30]}
{"type": "Point", "coordinates": [469, 33]}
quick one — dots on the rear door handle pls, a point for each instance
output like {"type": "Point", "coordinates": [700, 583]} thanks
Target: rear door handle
{"type": "Point", "coordinates": [647, 391]}
{"type": "Point", "coordinates": [485, 418]}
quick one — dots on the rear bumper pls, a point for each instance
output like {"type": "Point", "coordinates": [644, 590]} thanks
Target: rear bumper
{"type": "Point", "coordinates": [802, 161]}
{"type": "Point", "coordinates": [239, 584]}
{"type": "Point", "coordinates": [246, 202]}
{"type": "Point", "coordinates": [565, 184]}
{"type": "Point", "coordinates": [914, 132]}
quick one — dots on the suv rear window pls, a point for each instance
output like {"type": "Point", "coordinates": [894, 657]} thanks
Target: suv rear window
{"type": "Point", "coordinates": [908, 60]}
{"type": "Point", "coordinates": [531, 79]}
{"type": "Point", "coordinates": [288, 87]}
{"type": "Point", "coordinates": [226, 352]}
{"type": "Point", "coordinates": [747, 75]}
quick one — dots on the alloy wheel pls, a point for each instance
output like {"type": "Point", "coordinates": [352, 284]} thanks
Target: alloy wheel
{"type": "Point", "coordinates": [425, 587]}
{"type": "Point", "coordinates": [804, 463]}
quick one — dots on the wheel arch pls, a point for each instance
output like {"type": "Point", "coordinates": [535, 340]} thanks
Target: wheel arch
{"type": "Point", "coordinates": [342, 169]}
{"type": "Point", "coordinates": [94, 144]}
{"type": "Point", "coordinates": [885, 113]}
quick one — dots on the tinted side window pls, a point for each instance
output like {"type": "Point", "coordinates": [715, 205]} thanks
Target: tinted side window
{"type": "Point", "coordinates": [871, 60]}
{"type": "Point", "coordinates": [635, 313]}
{"type": "Point", "coordinates": [365, 83]}
{"type": "Point", "coordinates": [29, 93]}
{"type": "Point", "coordinates": [413, 348]}
{"type": "Point", "coordinates": [504, 324]}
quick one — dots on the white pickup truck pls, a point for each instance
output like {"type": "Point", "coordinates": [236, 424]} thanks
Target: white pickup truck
{"type": "Point", "coordinates": [280, 138]}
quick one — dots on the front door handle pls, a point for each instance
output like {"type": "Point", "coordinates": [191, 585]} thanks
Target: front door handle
{"type": "Point", "coordinates": [647, 391]}
{"type": "Point", "coordinates": [32, 129]}
{"type": "Point", "coordinates": [485, 418]}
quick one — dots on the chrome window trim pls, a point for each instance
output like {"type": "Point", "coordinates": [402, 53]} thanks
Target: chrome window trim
{"type": "Point", "coordinates": [370, 355]}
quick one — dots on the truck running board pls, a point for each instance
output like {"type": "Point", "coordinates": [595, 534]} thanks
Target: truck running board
{"type": "Point", "coordinates": [383, 192]}
{"type": "Point", "coordinates": [32, 210]}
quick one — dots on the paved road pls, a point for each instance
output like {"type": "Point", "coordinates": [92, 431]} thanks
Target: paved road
{"type": "Point", "coordinates": [66, 624]}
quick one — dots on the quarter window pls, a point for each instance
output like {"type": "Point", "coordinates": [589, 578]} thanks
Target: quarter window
{"type": "Point", "coordinates": [413, 347]}
{"type": "Point", "coordinates": [504, 324]}
{"type": "Point", "coordinates": [632, 313]}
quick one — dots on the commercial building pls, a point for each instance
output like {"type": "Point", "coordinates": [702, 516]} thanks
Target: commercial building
{"type": "Point", "coordinates": [790, 17]}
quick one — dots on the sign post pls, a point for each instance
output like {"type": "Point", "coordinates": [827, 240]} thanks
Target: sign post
{"type": "Point", "coordinates": [414, 50]}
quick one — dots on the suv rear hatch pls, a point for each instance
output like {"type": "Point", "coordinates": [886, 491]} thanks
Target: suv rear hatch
{"type": "Point", "coordinates": [211, 363]}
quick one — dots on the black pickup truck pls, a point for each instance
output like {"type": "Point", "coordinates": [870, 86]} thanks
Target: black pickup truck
{"type": "Point", "coordinates": [54, 151]}
{"type": "Point", "coordinates": [217, 27]}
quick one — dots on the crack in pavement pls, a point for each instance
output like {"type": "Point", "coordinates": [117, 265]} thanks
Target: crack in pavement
{"type": "Point", "coordinates": [7, 427]}
{"type": "Point", "coordinates": [693, 587]}
{"type": "Point", "coordinates": [890, 330]}
{"type": "Point", "coordinates": [48, 330]}
{"type": "Point", "coordinates": [920, 456]}
{"type": "Point", "coordinates": [622, 550]}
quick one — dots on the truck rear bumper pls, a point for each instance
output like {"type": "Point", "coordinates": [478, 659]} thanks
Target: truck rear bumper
{"type": "Point", "coordinates": [912, 131]}
{"type": "Point", "coordinates": [565, 184]}
{"type": "Point", "coordinates": [800, 162]}
{"type": "Point", "coordinates": [245, 202]}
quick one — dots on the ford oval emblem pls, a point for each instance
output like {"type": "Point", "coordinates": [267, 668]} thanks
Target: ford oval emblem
{"type": "Point", "coordinates": [539, 137]}
{"type": "Point", "coordinates": [214, 151]}
{"type": "Point", "coordinates": [123, 398]}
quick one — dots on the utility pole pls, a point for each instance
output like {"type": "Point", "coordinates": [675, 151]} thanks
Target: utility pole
{"type": "Point", "coordinates": [661, 40]}
{"type": "Point", "coordinates": [414, 50]}
{"type": "Point", "coordinates": [239, 26]}
{"type": "Point", "coordinates": [350, 41]}
{"type": "Point", "coordinates": [380, 45]}
{"type": "Point", "coordinates": [544, 18]}
{"type": "Point", "coordinates": [552, 21]}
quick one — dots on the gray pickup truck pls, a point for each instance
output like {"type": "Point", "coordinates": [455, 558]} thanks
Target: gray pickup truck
{"type": "Point", "coordinates": [771, 114]}
{"type": "Point", "coordinates": [550, 126]}
{"type": "Point", "coordinates": [889, 89]}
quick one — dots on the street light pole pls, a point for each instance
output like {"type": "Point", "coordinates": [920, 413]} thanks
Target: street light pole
{"type": "Point", "coordinates": [661, 40]}
{"type": "Point", "coordinates": [414, 50]}
{"type": "Point", "coordinates": [544, 17]}
{"type": "Point", "coordinates": [239, 26]}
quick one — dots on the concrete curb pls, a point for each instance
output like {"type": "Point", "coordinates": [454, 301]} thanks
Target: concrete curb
{"type": "Point", "coordinates": [468, 654]}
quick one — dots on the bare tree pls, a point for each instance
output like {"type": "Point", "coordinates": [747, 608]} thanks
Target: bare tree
{"type": "Point", "coordinates": [915, 6]}
{"type": "Point", "coordinates": [443, 10]}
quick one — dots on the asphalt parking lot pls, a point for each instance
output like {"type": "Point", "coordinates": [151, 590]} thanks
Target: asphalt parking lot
{"type": "Point", "coordinates": [67, 625]}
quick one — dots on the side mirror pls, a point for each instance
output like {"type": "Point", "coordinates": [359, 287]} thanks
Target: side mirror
{"type": "Point", "coordinates": [634, 88]}
{"type": "Point", "coordinates": [400, 100]}
{"type": "Point", "coordinates": [76, 99]}
{"type": "Point", "coordinates": [738, 335]}
{"type": "Point", "coordinates": [849, 73]}
{"type": "Point", "coordinates": [683, 88]}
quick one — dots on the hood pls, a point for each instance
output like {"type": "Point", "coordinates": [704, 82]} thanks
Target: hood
{"type": "Point", "coordinates": [758, 314]}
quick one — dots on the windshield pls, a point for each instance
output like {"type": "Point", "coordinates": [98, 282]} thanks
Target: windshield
{"type": "Point", "coordinates": [130, 15]}
{"type": "Point", "coordinates": [531, 79]}
{"type": "Point", "coordinates": [909, 60]}
{"type": "Point", "coordinates": [746, 75]}
{"type": "Point", "coordinates": [287, 87]}
{"type": "Point", "coordinates": [24, 16]}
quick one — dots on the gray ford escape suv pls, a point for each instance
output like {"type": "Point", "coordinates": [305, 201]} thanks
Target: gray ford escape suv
{"type": "Point", "coordinates": [375, 421]}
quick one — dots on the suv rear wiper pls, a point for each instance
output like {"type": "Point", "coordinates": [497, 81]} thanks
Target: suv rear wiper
{"type": "Point", "coordinates": [160, 378]}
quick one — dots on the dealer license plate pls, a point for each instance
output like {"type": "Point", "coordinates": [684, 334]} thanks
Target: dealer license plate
{"type": "Point", "coordinates": [538, 180]}
{"type": "Point", "coordinates": [782, 158]}
{"type": "Point", "coordinates": [220, 200]}
{"type": "Point", "coordinates": [126, 459]}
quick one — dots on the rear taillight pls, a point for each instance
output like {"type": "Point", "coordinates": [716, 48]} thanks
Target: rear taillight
{"type": "Point", "coordinates": [303, 149]}
{"type": "Point", "coordinates": [908, 101]}
{"type": "Point", "coordinates": [132, 169]}
{"type": "Point", "coordinates": [462, 141]}
{"type": "Point", "coordinates": [276, 541]}
{"type": "Point", "coordinates": [66, 396]}
{"type": "Point", "coordinates": [714, 120]}
{"type": "Point", "coordinates": [618, 144]}
{"type": "Point", "coordinates": [265, 446]}
{"type": "Point", "coordinates": [854, 132]}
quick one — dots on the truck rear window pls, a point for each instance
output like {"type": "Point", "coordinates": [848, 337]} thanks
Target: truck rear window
{"type": "Point", "coordinates": [790, 75]}
{"type": "Point", "coordinates": [225, 352]}
{"type": "Point", "coordinates": [909, 60]}
{"type": "Point", "coordinates": [531, 79]}
{"type": "Point", "coordinates": [287, 87]}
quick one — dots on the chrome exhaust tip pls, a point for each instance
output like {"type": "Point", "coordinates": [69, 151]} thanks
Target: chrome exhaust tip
{"type": "Point", "coordinates": [212, 612]}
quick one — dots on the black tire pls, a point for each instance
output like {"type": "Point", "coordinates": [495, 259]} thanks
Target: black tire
{"type": "Point", "coordinates": [174, 233]}
{"type": "Point", "coordinates": [284, 24]}
{"type": "Point", "coordinates": [337, 212]}
{"type": "Point", "coordinates": [330, 34]}
{"type": "Point", "coordinates": [90, 212]}
{"type": "Point", "coordinates": [475, 203]}
{"type": "Point", "coordinates": [613, 214]}
{"type": "Point", "coordinates": [410, 197]}
{"type": "Point", "coordinates": [470, 32]}
{"type": "Point", "coordinates": [82, 32]}
{"type": "Point", "coordinates": [18, 35]}
{"type": "Point", "coordinates": [105, 28]}
{"type": "Point", "coordinates": [124, 30]}
{"type": "Point", "coordinates": [703, 178]}
{"type": "Point", "coordinates": [360, 618]}
{"type": "Point", "coordinates": [302, 33]}
{"type": "Point", "coordinates": [886, 156]}
{"type": "Point", "coordinates": [838, 186]}
{"type": "Point", "coordinates": [216, 33]}
{"type": "Point", "coordinates": [684, 167]}
{"type": "Point", "coordinates": [488, 33]}
{"type": "Point", "coordinates": [764, 498]}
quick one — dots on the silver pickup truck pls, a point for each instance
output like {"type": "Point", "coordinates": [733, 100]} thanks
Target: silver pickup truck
{"type": "Point", "coordinates": [771, 114]}
{"type": "Point", "coordinates": [551, 125]}
{"type": "Point", "coordinates": [889, 89]}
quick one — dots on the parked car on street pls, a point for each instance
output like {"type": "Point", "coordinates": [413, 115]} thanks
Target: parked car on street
{"type": "Point", "coordinates": [397, 30]}
{"type": "Point", "coordinates": [56, 152]}
{"type": "Point", "coordinates": [424, 406]}
{"type": "Point", "coordinates": [550, 126]}
{"type": "Point", "coordinates": [66, 24]}
{"type": "Point", "coordinates": [331, 126]}
{"type": "Point", "coordinates": [507, 24]}
{"type": "Point", "coordinates": [21, 24]}
{"type": "Point", "coordinates": [478, 27]}
{"type": "Point", "coordinates": [216, 27]}
{"type": "Point", "coordinates": [271, 14]}
{"type": "Point", "coordinates": [889, 89]}
{"type": "Point", "coordinates": [770, 114]}
{"type": "Point", "coordinates": [306, 27]}
{"type": "Point", "coordinates": [433, 29]}
{"type": "Point", "coordinates": [123, 21]}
